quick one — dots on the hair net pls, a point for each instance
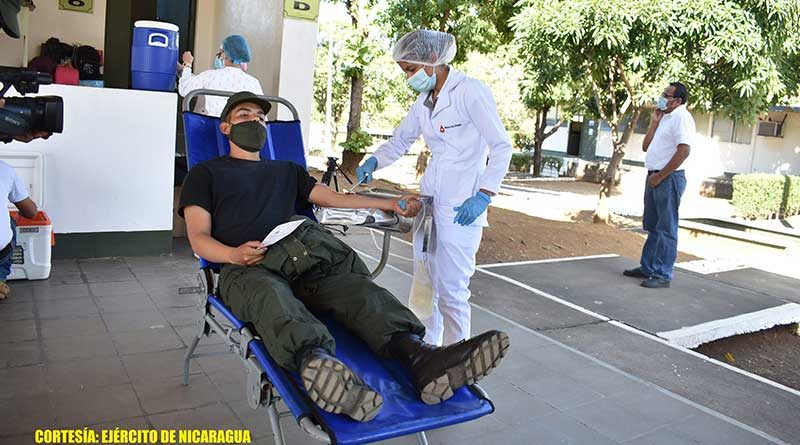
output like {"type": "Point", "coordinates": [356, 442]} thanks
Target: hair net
{"type": "Point", "coordinates": [425, 47]}
{"type": "Point", "coordinates": [237, 49]}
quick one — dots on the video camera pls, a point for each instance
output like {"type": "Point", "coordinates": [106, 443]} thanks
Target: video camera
{"type": "Point", "coordinates": [22, 115]}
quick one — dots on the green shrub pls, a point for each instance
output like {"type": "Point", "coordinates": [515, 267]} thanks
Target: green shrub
{"type": "Point", "coordinates": [521, 161]}
{"type": "Point", "coordinates": [553, 161]}
{"type": "Point", "coordinates": [358, 142]}
{"type": "Point", "coordinates": [761, 195]}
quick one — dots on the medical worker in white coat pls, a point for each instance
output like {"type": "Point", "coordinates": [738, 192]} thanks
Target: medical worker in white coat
{"type": "Point", "coordinates": [471, 151]}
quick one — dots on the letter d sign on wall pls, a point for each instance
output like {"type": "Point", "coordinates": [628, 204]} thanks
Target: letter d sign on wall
{"type": "Point", "coordinates": [301, 9]}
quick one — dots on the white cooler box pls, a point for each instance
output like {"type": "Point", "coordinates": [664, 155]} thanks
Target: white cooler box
{"type": "Point", "coordinates": [31, 257]}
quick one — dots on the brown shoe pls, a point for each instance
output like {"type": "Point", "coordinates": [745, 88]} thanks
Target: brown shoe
{"type": "Point", "coordinates": [5, 291]}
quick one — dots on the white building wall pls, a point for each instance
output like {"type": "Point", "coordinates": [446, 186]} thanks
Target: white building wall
{"type": "Point", "coordinates": [712, 157]}
{"type": "Point", "coordinates": [557, 141]}
{"type": "Point", "coordinates": [299, 45]}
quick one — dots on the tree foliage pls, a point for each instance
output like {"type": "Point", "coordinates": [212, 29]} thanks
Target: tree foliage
{"type": "Point", "coordinates": [735, 57]}
{"type": "Point", "coordinates": [478, 25]}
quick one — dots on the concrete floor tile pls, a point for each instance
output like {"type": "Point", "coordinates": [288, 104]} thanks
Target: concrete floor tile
{"type": "Point", "coordinates": [95, 405]}
{"type": "Point", "coordinates": [149, 366]}
{"type": "Point", "coordinates": [709, 430]}
{"type": "Point", "coordinates": [170, 394]}
{"type": "Point", "coordinates": [133, 423]}
{"type": "Point", "coordinates": [611, 419]}
{"type": "Point", "coordinates": [148, 340]}
{"type": "Point", "coordinates": [11, 310]}
{"type": "Point", "coordinates": [19, 293]}
{"type": "Point", "coordinates": [213, 416]}
{"type": "Point", "coordinates": [109, 276]}
{"type": "Point", "coordinates": [166, 300]}
{"type": "Point", "coordinates": [183, 316]}
{"type": "Point", "coordinates": [514, 406]}
{"type": "Point", "coordinates": [465, 432]}
{"type": "Point", "coordinates": [20, 354]}
{"type": "Point", "coordinates": [556, 390]}
{"type": "Point", "coordinates": [16, 331]}
{"type": "Point", "coordinates": [60, 292]}
{"type": "Point", "coordinates": [560, 429]}
{"type": "Point", "coordinates": [83, 347]}
{"type": "Point", "coordinates": [116, 289]}
{"type": "Point", "coordinates": [23, 414]}
{"type": "Point", "coordinates": [71, 327]}
{"type": "Point", "coordinates": [134, 321]}
{"type": "Point", "coordinates": [218, 362]}
{"type": "Point", "coordinates": [67, 308]}
{"type": "Point", "coordinates": [256, 420]}
{"type": "Point", "coordinates": [86, 373]}
{"type": "Point", "coordinates": [24, 380]}
{"type": "Point", "coordinates": [126, 303]}
{"type": "Point", "coordinates": [16, 440]}
{"type": "Point", "coordinates": [230, 384]}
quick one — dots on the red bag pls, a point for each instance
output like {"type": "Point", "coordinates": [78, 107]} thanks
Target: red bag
{"type": "Point", "coordinates": [66, 75]}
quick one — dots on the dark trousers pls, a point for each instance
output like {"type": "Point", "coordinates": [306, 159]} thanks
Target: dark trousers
{"type": "Point", "coordinates": [660, 220]}
{"type": "Point", "coordinates": [313, 271]}
{"type": "Point", "coordinates": [7, 253]}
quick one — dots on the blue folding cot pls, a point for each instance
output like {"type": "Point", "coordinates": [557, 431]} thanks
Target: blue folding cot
{"type": "Point", "coordinates": [403, 412]}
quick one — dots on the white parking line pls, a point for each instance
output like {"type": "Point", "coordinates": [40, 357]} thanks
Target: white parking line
{"type": "Point", "coordinates": [549, 260]}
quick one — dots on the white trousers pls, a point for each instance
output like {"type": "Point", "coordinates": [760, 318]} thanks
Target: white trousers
{"type": "Point", "coordinates": [451, 266]}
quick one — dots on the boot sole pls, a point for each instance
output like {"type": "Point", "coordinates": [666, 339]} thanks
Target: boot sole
{"type": "Point", "coordinates": [335, 389]}
{"type": "Point", "coordinates": [478, 365]}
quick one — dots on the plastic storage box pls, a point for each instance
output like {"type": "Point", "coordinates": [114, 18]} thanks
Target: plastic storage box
{"type": "Point", "coordinates": [35, 239]}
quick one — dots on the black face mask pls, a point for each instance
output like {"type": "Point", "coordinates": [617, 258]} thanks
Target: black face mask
{"type": "Point", "coordinates": [250, 135]}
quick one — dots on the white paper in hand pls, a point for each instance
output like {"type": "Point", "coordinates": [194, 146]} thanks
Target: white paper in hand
{"type": "Point", "coordinates": [281, 231]}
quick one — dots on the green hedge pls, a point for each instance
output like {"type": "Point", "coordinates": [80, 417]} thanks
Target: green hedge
{"type": "Point", "coordinates": [761, 196]}
{"type": "Point", "coordinates": [522, 161]}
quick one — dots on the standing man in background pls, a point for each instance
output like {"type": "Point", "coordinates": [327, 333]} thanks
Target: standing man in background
{"type": "Point", "coordinates": [228, 74]}
{"type": "Point", "coordinates": [667, 143]}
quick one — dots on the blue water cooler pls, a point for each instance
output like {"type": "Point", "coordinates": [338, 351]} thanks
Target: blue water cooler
{"type": "Point", "coordinates": [154, 55]}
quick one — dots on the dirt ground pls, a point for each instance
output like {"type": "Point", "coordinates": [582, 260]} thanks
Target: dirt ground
{"type": "Point", "coordinates": [514, 236]}
{"type": "Point", "coordinates": [772, 354]}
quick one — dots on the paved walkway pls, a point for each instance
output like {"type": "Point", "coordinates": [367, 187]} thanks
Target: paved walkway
{"type": "Point", "coordinates": [101, 342]}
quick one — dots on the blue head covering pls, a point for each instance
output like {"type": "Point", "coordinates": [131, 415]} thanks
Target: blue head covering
{"type": "Point", "coordinates": [237, 49]}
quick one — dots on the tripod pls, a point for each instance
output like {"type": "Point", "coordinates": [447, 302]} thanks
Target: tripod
{"type": "Point", "coordinates": [331, 173]}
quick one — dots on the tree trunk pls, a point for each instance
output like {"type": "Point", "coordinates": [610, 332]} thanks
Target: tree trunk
{"type": "Point", "coordinates": [422, 160]}
{"type": "Point", "coordinates": [538, 140]}
{"type": "Point", "coordinates": [602, 214]}
{"type": "Point", "coordinates": [354, 121]}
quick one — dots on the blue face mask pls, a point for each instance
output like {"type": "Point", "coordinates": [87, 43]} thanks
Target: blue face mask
{"type": "Point", "coordinates": [421, 81]}
{"type": "Point", "coordinates": [662, 103]}
{"type": "Point", "coordinates": [218, 63]}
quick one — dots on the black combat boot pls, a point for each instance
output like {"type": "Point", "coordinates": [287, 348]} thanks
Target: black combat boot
{"type": "Point", "coordinates": [438, 371]}
{"type": "Point", "coordinates": [335, 388]}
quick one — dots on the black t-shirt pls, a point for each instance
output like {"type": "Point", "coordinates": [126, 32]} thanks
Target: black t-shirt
{"type": "Point", "coordinates": [246, 199]}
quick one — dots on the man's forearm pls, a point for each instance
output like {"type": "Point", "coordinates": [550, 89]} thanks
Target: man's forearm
{"type": "Point", "coordinates": [352, 201]}
{"type": "Point", "coordinates": [325, 197]}
{"type": "Point", "coordinates": [648, 138]}
{"type": "Point", "coordinates": [210, 249]}
{"type": "Point", "coordinates": [677, 160]}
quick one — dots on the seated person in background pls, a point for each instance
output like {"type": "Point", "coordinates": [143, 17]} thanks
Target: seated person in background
{"type": "Point", "coordinates": [232, 202]}
{"type": "Point", "coordinates": [12, 187]}
{"type": "Point", "coordinates": [228, 75]}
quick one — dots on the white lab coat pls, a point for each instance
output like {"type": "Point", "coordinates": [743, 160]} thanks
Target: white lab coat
{"type": "Point", "coordinates": [229, 79]}
{"type": "Point", "coordinates": [463, 130]}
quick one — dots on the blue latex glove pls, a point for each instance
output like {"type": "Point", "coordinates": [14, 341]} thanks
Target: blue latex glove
{"type": "Point", "coordinates": [364, 172]}
{"type": "Point", "coordinates": [471, 209]}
